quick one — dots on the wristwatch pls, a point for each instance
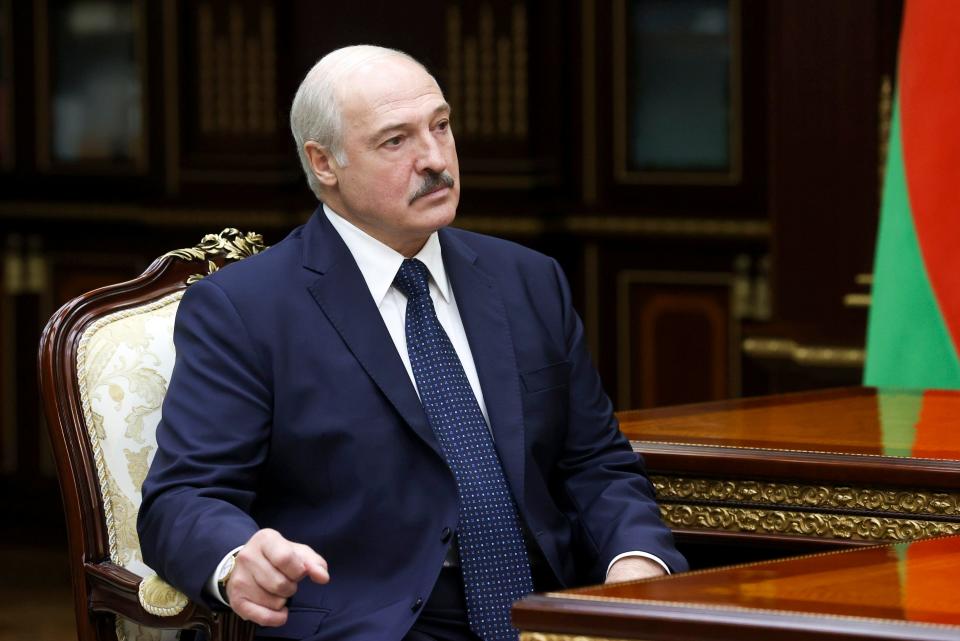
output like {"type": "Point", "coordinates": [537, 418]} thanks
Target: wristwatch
{"type": "Point", "coordinates": [224, 575]}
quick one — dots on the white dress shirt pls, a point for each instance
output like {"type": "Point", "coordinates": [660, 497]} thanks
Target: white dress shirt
{"type": "Point", "coordinates": [379, 265]}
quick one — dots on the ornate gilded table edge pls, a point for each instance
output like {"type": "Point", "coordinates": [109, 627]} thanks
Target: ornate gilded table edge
{"type": "Point", "coordinates": [808, 524]}
{"type": "Point", "coordinates": [549, 636]}
{"type": "Point", "coordinates": [806, 497]}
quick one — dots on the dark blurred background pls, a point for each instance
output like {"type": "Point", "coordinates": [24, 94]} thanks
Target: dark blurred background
{"type": "Point", "coordinates": [706, 171]}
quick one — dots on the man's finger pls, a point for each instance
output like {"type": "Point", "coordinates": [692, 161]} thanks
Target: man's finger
{"type": "Point", "coordinates": [245, 587]}
{"type": "Point", "coordinates": [286, 557]}
{"type": "Point", "coordinates": [317, 572]}
{"type": "Point", "coordinates": [250, 611]}
{"type": "Point", "coordinates": [315, 565]}
{"type": "Point", "coordinates": [274, 582]}
{"type": "Point", "coordinates": [252, 560]}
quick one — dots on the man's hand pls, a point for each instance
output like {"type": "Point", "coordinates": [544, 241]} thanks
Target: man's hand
{"type": "Point", "coordinates": [266, 574]}
{"type": "Point", "coordinates": [631, 568]}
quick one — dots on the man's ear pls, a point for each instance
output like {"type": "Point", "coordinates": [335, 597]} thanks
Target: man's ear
{"type": "Point", "coordinates": [322, 163]}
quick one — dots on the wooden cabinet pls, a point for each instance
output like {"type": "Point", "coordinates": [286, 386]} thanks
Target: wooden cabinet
{"type": "Point", "coordinates": [706, 172]}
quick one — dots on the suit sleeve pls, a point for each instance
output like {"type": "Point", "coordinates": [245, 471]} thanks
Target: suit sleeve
{"type": "Point", "coordinates": [612, 500]}
{"type": "Point", "coordinates": [211, 441]}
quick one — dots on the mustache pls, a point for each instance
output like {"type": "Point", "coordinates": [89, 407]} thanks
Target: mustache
{"type": "Point", "coordinates": [431, 183]}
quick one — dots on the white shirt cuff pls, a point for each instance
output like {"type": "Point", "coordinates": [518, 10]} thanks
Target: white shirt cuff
{"type": "Point", "coordinates": [645, 555]}
{"type": "Point", "coordinates": [212, 587]}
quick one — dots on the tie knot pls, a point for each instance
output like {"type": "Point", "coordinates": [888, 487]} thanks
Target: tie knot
{"type": "Point", "coordinates": [412, 278]}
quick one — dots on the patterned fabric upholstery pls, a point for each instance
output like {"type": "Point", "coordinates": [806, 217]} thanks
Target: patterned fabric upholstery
{"type": "Point", "coordinates": [124, 363]}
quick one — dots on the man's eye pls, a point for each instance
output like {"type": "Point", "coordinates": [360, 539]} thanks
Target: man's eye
{"type": "Point", "coordinates": [394, 142]}
{"type": "Point", "coordinates": [443, 125]}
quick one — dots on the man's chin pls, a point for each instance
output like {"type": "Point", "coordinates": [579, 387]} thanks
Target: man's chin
{"type": "Point", "coordinates": [442, 212]}
{"type": "Point", "coordinates": [443, 219]}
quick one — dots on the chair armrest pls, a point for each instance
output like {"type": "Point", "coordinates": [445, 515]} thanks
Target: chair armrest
{"type": "Point", "coordinates": [116, 590]}
{"type": "Point", "coordinates": [158, 597]}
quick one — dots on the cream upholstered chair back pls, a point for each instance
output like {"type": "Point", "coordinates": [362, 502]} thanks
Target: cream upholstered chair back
{"type": "Point", "coordinates": [105, 364]}
{"type": "Point", "coordinates": [124, 361]}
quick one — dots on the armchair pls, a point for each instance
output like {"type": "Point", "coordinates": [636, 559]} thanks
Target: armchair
{"type": "Point", "coordinates": [105, 361]}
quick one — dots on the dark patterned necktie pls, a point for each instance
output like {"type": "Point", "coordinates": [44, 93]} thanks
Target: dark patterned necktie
{"type": "Point", "coordinates": [496, 571]}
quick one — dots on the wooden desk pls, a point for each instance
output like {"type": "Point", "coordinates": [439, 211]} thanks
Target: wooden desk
{"type": "Point", "coordinates": [903, 591]}
{"type": "Point", "coordinates": [848, 466]}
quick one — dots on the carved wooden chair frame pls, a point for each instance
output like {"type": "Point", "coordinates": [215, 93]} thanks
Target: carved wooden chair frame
{"type": "Point", "coordinates": [103, 589]}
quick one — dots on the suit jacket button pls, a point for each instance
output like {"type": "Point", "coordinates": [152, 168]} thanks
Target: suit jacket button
{"type": "Point", "coordinates": [417, 604]}
{"type": "Point", "coordinates": [445, 535]}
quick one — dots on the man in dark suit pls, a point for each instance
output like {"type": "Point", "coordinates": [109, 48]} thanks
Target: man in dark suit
{"type": "Point", "coordinates": [414, 403]}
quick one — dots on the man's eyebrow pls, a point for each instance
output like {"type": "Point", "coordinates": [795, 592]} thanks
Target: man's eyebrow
{"type": "Point", "coordinates": [397, 126]}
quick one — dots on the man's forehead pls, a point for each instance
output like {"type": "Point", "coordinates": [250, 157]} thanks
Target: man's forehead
{"type": "Point", "coordinates": [383, 88]}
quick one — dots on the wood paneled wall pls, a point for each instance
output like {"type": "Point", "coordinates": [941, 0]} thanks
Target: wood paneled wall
{"type": "Point", "coordinates": [689, 290]}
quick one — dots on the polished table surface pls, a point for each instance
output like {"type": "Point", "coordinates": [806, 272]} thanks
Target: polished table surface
{"type": "Point", "coordinates": [854, 421]}
{"type": "Point", "coordinates": [852, 465]}
{"type": "Point", "coordinates": [900, 591]}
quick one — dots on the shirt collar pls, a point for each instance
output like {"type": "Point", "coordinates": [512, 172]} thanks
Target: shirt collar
{"type": "Point", "coordinates": [379, 263]}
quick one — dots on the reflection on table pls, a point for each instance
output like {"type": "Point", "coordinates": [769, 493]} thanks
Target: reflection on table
{"type": "Point", "coordinates": [900, 591]}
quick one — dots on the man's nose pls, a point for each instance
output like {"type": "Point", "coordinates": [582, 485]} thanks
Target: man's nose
{"type": "Point", "coordinates": [431, 156]}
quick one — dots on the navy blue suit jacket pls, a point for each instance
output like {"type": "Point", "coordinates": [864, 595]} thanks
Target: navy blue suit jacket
{"type": "Point", "coordinates": [290, 408]}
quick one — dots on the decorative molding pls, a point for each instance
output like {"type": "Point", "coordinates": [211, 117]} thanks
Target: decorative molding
{"type": "Point", "coordinates": [747, 229]}
{"type": "Point", "coordinates": [591, 279]}
{"type": "Point", "coordinates": [42, 40]}
{"type": "Point", "coordinates": [236, 68]}
{"type": "Point", "coordinates": [520, 64]}
{"type": "Point", "coordinates": [814, 497]}
{"type": "Point", "coordinates": [487, 72]}
{"type": "Point", "coordinates": [790, 523]}
{"type": "Point", "coordinates": [884, 120]}
{"type": "Point", "coordinates": [504, 104]}
{"type": "Point", "coordinates": [229, 243]}
{"type": "Point", "coordinates": [7, 97]}
{"type": "Point", "coordinates": [628, 327]}
{"type": "Point", "coordinates": [471, 86]}
{"type": "Point", "coordinates": [805, 355]}
{"type": "Point", "coordinates": [488, 87]}
{"type": "Point", "coordinates": [235, 74]}
{"type": "Point", "coordinates": [160, 216]}
{"type": "Point", "coordinates": [588, 99]}
{"type": "Point", "coordinates": [857, 300]}
{"type": "Point", "coordinates": [454, 60]}
{"type": "Point", "coordinates": [514, 226]}
{"type": "Point", "coordinates": [205, 68]}
{"type": "Point", "coordinates": [151, 216]}
{"type": "Point", "coordinates": [268, 49]}
{"type": "Point", "coordinates": [500, 181]}
{"type": "Point", "coordinates": [142, 158]}
{"type": "Point", "coordinates": [549, 636]}
{"type": "Point", "coordinates": [13, 276]}
{"type": "Point", "coordinates": [171, 96]}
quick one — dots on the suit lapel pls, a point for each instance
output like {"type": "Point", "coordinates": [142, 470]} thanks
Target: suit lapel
{"type": "Point", "coordinates": [344, 298]}
{"type": "Point", "coordinates": [484, 318]}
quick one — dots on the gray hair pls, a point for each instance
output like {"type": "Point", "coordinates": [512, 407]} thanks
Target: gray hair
{"type": "Point", "coordinates": [316, 114]}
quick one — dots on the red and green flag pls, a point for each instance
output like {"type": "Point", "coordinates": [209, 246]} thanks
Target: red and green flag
{"type": "Point", "coordinates": [914, 330]}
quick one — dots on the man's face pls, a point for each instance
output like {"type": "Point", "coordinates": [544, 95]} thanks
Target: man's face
{"type": "Point", "coordinates": [402, 178]}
